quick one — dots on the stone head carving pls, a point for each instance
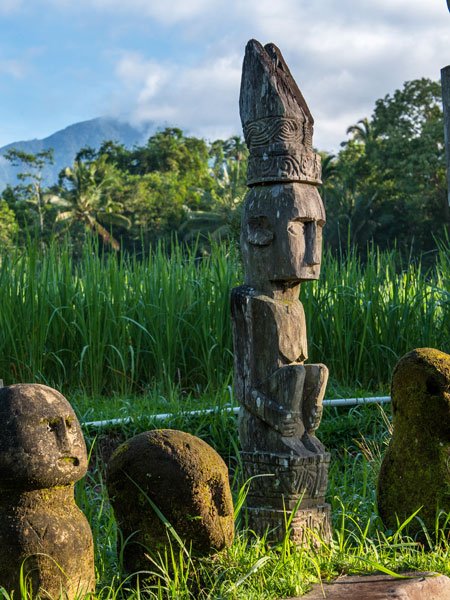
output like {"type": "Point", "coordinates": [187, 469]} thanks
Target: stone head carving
{"type": "Point", "coordinates": [185, 478]}
{"type": "Point", "coordinates": [414, 475]}
{"type": "Point", "coordinates": [42, 444]}
{"type": "Point", "coordinates": [281, 235]}
{"type": "Point", "coordinates": [420, 392]}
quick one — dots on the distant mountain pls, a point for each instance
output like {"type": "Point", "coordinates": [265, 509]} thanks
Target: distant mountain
{"type": "Point", "coordinates": [67, 142]}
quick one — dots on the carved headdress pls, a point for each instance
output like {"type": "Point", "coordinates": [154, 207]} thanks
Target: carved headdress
{"type": "Point", "coordinates": [277, 123]}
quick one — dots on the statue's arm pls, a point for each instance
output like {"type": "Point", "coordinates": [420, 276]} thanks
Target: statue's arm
{"type": "Point", "coordinates": [290, 400]}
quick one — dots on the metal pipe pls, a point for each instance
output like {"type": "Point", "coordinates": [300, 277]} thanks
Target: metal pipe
{"type": "Point", "coordinates": [235, 409]}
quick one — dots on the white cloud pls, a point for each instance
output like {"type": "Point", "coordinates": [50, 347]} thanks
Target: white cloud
{"type": "Point", "coordinates": [20, 66]}
{"type": "Point", "coordinates": [163, 12]}
{"type": "Point", "coordinates": [201, 98]}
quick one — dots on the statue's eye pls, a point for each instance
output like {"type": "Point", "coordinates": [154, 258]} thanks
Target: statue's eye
{"type": "Point", "coordinates": [259, 231]}
{"type": "Point", "coordinates": [51, 424]}
{"type": "Point", "coordinates": [295, 227]}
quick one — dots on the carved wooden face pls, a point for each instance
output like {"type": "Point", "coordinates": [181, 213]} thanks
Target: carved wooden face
{"type": "Point", "coordinates": [42, 443]}
{"type": "Point", "coordinates": [281, 236]}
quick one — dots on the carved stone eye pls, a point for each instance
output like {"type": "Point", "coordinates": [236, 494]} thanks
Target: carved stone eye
{"type": "Point", "coordinates": [259, 231]}
{"type": "Point", "coordinates": [295, 227]}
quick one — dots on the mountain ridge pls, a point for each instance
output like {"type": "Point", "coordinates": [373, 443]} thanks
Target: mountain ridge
{"type": "Point", "coordinates": [68, 141]}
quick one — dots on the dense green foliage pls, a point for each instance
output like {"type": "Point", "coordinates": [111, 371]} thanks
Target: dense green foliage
{"type": "Point", "coordinates": [132, 198]}
{"type": "Point", "coordinates": [387, 184]}
{"type": "Point", "coordinates": [118, 324]}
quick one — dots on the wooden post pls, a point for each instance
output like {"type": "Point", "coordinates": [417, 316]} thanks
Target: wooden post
{"type": "Point", "coordinates": [445, 81]}
{"type": "Point", "coordinates": [1, 383]}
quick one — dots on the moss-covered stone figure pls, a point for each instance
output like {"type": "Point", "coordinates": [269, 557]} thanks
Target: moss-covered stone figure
{"type": "Point", "coordinates": [42, 455]}
{"type": "Point", "coordinates": [187, 481]}
{"type": "Point", "coordinates": [415, 471]}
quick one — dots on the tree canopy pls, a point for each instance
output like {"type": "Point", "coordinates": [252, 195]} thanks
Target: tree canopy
{"type": "Point", "coordinates": [386, 184]}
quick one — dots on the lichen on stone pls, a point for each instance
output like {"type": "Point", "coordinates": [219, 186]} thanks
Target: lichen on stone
{"type": "Point", "coordinates": [415, 473]}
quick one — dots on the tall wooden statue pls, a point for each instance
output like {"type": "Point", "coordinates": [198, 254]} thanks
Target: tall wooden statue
{"type": "Point", "coordinates": [281, 239]}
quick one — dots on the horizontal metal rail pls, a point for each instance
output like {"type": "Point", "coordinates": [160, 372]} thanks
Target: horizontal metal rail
{"type": "Point", "coordinates": [234, 409]}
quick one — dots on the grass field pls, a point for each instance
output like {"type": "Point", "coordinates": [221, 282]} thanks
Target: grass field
{"type": "Point", "coordinates": [121, 337]}
{"type": "Point", "coordinates": [108, 325]}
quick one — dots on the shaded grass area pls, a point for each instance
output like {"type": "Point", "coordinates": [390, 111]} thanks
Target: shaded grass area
{"type": "Point", "coordinates": [114, 325]}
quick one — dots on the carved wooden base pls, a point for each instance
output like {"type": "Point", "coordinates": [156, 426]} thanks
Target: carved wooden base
{"type": "Point", "coordinates": [309, 526]}
{"type": "Point", "coordinates": [280, 484]}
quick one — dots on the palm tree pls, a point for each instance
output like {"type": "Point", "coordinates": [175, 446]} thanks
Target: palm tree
{"type": "Point", "coordinates": [362, 131]}
{"type": "Point", "coordinates": [236, 155]}
{"type": "Point", "coordinates": [87, 199]}
{"type": "Point", "coordinates": [329, 174]}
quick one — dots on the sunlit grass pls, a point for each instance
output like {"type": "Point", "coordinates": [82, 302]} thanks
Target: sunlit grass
{"type": "Point", "coordinates": [252, 568]}
{"type": "Point", "coordinates": [118, 326]}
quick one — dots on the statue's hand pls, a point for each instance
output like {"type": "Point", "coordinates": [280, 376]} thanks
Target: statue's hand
{"type": "Point", "coordinates": [287, 423]}
{"type": "Point", "coordinates": [316, 377]}
{"type": "Point", "coordinates": [284, 421]}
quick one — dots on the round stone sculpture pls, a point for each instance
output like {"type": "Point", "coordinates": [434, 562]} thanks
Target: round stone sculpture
{"type": "Point", "coordinates": [188, 483]}
{"type": "Point", "coordinates": [42, 455]}
{"type": "Point", "coordinates": [415, 473]}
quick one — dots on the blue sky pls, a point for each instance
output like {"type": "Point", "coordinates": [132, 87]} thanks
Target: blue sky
{"type": "Point", "coordinates": [178, 62]}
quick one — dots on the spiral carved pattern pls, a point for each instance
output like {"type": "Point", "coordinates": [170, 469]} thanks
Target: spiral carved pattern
{"type": "Point", "coordinates": [275, 130]}
{"type": "Point", "coordinates": [284, 167]}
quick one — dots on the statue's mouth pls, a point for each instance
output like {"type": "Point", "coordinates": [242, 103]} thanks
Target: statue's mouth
{"type": "Point", "coordinates": [70, 459]}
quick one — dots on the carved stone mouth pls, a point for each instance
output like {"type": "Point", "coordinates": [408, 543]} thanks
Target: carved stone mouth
{"type": "Point", "coordinates": [70, 459]}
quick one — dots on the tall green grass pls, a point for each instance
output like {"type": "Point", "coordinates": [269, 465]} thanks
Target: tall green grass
{"type": "Point", "coordinates": [110, 324]}
{"type": "Point", "coordinates": [116, 325]}
{"type": "Point", "coordinates": [361, 318]}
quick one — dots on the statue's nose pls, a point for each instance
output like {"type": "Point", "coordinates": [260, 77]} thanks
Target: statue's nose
{"type": "Point", "coordinates": [312, 244]}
